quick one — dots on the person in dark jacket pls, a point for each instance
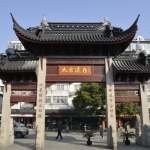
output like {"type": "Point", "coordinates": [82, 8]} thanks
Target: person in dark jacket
{"type": "Point", "coordinates": [125, 127]}
{"type": "Point", "coordinates": [59, 132]}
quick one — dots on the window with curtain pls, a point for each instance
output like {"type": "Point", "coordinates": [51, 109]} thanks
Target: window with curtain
{"type": "Point", "coordinates": [60, 99]}
{"type": "Point", "coordinates": [48, 99]}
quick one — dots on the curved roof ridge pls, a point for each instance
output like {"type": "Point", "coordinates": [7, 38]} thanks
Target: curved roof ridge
{"type": "Point", "coordinates": [132, 26]}
{"type": "Point", "coordinates": [34, 36]}
{"type": "Point", "coordinates": [18, 27]}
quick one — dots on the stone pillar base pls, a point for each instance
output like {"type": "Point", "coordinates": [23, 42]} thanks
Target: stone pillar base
{"type": "Point", "coordinates": [2, 144]}
{"type": "Point", "coordinates": [11, 135]}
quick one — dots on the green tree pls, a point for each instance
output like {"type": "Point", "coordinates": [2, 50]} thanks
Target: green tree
{"type": "Point", "coordinates": [130, 108]}
{"type": "Point", "coordinates": [88, 99]}
{"type": "Point", "coordinates": [119, 110]}
{"type": "Point", "coordinates": [127, 108]}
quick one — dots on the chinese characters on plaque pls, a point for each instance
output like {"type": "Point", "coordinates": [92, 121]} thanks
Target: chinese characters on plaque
{"type": "Point", "coordinates": [40, 99]}
{"type": "Point", "coordinates": [110, 98]}
{"type": "Point", "coordinates": [75, 70]}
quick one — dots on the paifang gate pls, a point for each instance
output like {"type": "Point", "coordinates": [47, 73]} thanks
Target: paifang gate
{"type": "Point", "coordinates": [72, 52]}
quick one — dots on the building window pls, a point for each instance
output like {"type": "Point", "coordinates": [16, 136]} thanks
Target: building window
{"type": "Point", "coordinates": [148, 96]}
{"type": "Point", "coordinates": [133, 46]}
{"type": "Point", "coordinates": [60, 87]}
{"type": "Point", "coordinates": [48, 99]}
{"type": "Point", "coordinates": [148, 46]}
{"type": "Point", "coordinates": [60, 99]}
{"type": "Point", "coordinates": [148, 85]}
{"type": "Point", "coordinates": [142, 46]}
{"type": "Point", "coordinates": [1, 88]}
{"type": "Point", "coordinates": [77, 86]}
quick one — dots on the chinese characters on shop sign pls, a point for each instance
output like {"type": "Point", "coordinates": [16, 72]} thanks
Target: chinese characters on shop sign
{"type": "Point", "coordinates": [110, 98]}
{"type": "Point", "coordinates": [75, 70]}
{"type": "Point", "coordinates": [40, 100]}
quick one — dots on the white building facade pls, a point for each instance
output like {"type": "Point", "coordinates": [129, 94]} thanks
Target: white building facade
{"type": "Point", "coordinates": [144, 45]}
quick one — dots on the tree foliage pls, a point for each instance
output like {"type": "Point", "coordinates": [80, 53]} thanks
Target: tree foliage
{"type": "Point", "coordinates": [127, 108]}
{"type": "Point", "coordinates": [88, 98]}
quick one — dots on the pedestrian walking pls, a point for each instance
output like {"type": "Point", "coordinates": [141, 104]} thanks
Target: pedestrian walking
{"type": "Point", "coordinates": [125, 126]}
{"type": "Point", "coordinates": [119, 126]}
{"type": "Point", "coordinates": [59, 132]}
{"type": "Point", "coordinates": [82, 127]}
{"type": "Point", "coordinates": [101, 130]}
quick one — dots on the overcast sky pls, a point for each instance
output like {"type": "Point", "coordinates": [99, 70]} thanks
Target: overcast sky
{"type": "Point", "coordinates": [28, 13]}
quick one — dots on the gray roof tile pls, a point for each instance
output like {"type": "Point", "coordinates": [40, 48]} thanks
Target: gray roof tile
{"type": "Point", "coordinates": [74, 32]}
{"type": "Point", "coordinates": [130, 61]}
{"type": "Point", "coordinates": [19, 65]}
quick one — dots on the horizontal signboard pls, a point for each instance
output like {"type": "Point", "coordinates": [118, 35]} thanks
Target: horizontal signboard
{"type": "Point", "coordinates": [75, 70]}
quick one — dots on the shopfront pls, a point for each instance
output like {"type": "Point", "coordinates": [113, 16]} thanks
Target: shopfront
{"type": "Point", "coordinates": [74, 121]}
{"type": "Point", "coordinates": [26, 120]}
{"type": "Point", "coordinates": [52, 121]}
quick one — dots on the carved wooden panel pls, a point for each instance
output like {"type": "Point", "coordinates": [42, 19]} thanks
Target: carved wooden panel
{"type": "Point", "coordinates": [99, 70]}
{"type": "Point", "coordinates": [15, 99]}
{"type": "Point", "coordinates": [75, 61]}
{"type": "Point", "coordinates": [72, 78]}
{"type": "Point", "coordinates": [120, 99]}
{"type": "Point", "coordinates": [52, 69]}
{"type": "Point", "coordinates": [126, 93]}
{"type": "Point", "coordinates": [126, 87]}
{"type": "Point", "coordinates": [23, 93]}
{"type": "Point", "coordinates": [24, 86]}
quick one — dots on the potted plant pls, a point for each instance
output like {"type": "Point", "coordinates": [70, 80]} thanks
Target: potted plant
{"type": "Point", "coordinates": [88, 135]}
{"type": "Point", "coordinates": [126, 135]}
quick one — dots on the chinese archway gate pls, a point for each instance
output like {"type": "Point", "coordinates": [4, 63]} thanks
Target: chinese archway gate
{"type": "Point", "coordinates": [72, 52]}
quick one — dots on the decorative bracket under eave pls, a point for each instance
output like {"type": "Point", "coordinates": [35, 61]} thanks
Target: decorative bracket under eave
{"type": "Point", "coordinates": [143, 86]}
{"type": "Point", "coordinates": [108, 61]}
{"type": "Point", "coordinates": [42, 61]}
{"type": "Point", "coordinates": [6, 86]}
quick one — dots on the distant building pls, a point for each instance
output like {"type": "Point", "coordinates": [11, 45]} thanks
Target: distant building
{"type": "Point", "coordinates": [16, 45]}
{"type": "Point", "coordinates": [141, 44]}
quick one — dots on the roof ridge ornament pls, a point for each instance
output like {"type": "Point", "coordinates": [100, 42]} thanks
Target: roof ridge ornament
{"type": "Point", "coordinates": [106, 25]}
{"type": "Point", "coordinates": [44, 24]}
{"type": "Point", "coordinates": [106, 19]}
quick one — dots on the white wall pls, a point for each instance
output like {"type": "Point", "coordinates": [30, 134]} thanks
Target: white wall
{"type": "Point", "coordinates": [68, 91]}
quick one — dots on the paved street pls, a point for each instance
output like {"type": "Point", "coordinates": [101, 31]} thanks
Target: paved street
{"type": "Point", "coordinates": [71, 141]}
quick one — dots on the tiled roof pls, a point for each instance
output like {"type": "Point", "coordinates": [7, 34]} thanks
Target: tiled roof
{"type": "Point", "coordinates": [130, 65]}
{"type": "Point", "coordinates": [18, 61]}
{"type": "Point", "coordinates": [19, 65]}
{"type": "Point", "coordinates": [75, 32]}
{"type": "Point", "coordinates": [130, 61]}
